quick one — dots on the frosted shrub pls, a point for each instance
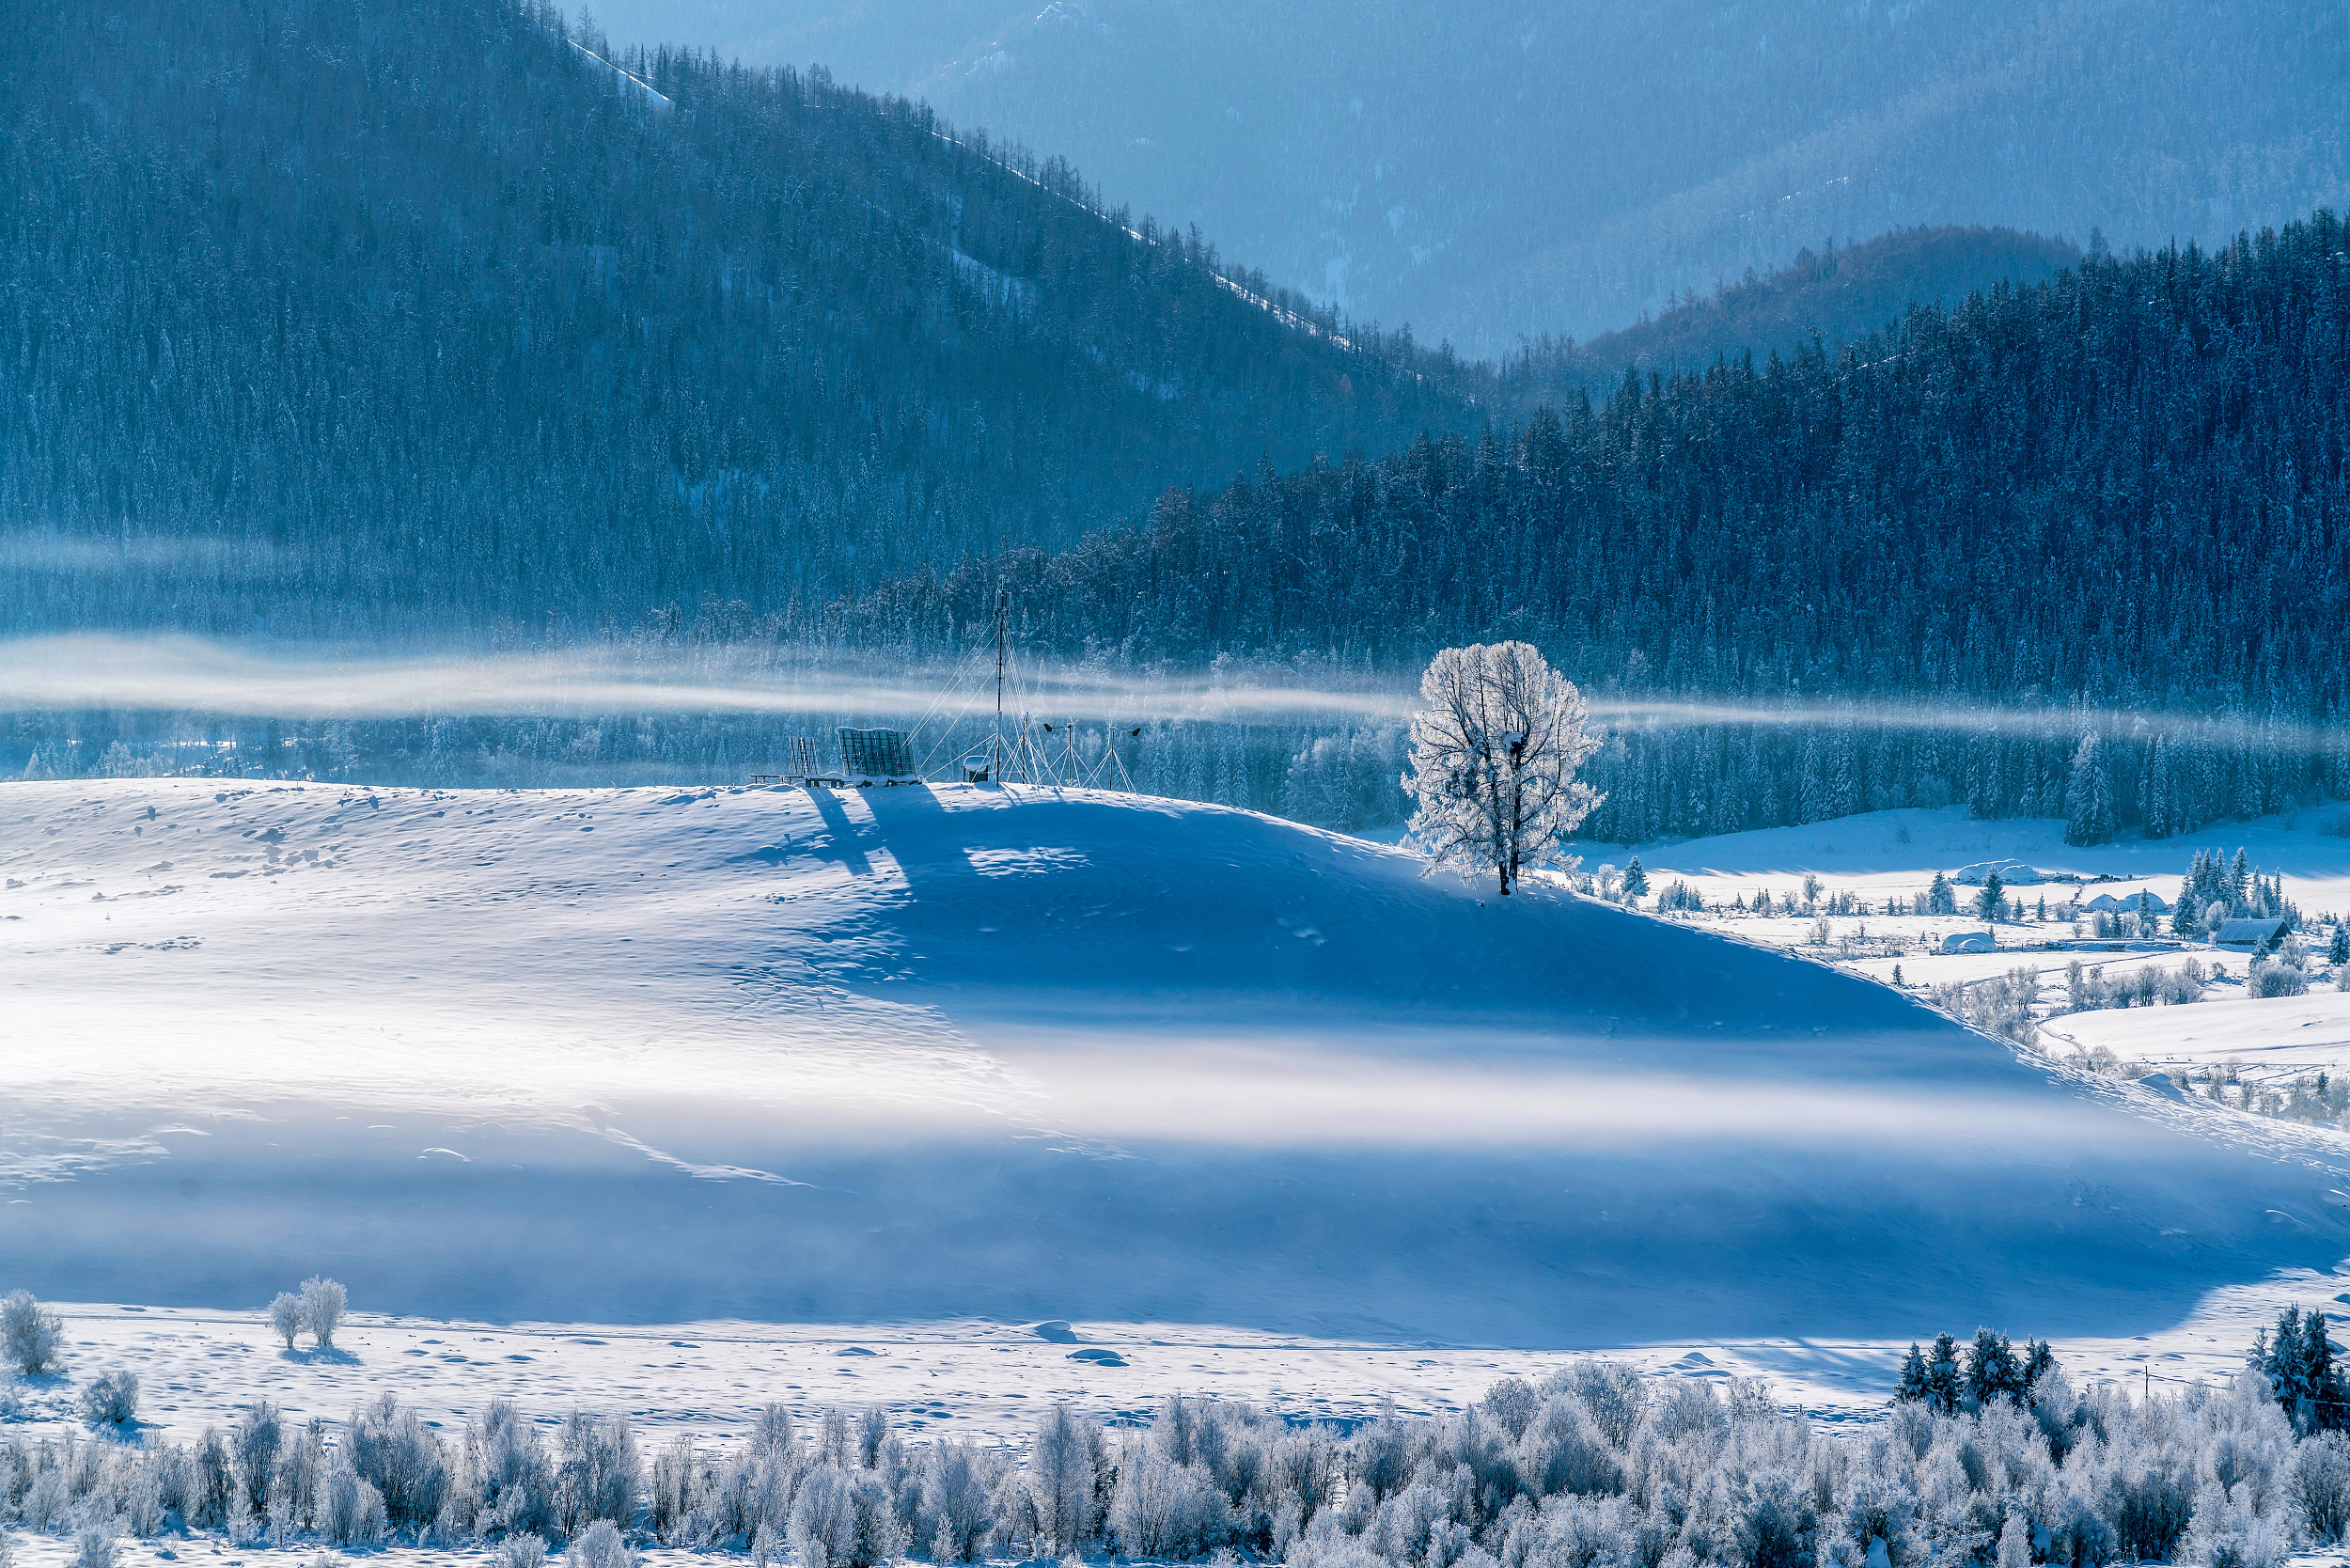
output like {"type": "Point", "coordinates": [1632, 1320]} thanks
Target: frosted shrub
{"type": "Point", "coordinates": [842, 1519]}
{"type": "Point", "coordinates": [600, 1547]}
{"type": "Point", "coordinates": [350, 1510]}
{"type": "Point", "coordinates": [2320, 1479]}
{"type": "Point", "coordinates": [505, 1482]}
{"type": "Point", "coordinates": [112, 1400]}
{"type": "Point", "coordinates": [601, 1473]}
{"type": "Point", "coordinates": [402, 1459]}
{"type": "Point", "coordinates": [523, 1551]}
{"type": "Point", "coordinates": [255, 1442]}
{"type": "Point", "coordinates": [285, 1317]}
{"type": "Point", "coordinates": [323, 1303]}
{"type": "Point", "coordinates": [1165, 1509]}
{"type": "Point", "coordinates": [2276, 980]}
{"type": "Point", "coordinates": [94, 1546]}
{"type": "Point", "coordinates": [31, 1339]}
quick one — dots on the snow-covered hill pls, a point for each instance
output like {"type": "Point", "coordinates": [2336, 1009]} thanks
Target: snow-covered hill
{"type": "Point", "coordinates": [656, 1056]}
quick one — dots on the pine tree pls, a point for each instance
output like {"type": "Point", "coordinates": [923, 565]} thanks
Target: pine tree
{"type": "Point", "coordinates": [1635, 879]}
{"type": "Point", "coordinates": [2239, 888]}
{"type": "Point", "coordinates": [1992, 1371]}
{"type": "Point", "coordinates": [1946, 1381]}
{"type": "Point", "coordinates": [2039, 1360]}
{"type": "Point", "coordinates": [1940, 899]}
{"type": "Point", "coordinates": [2338, 950]}
{"type": "Point", "coordinates": [2088, 796]}
{"type": "Point", "coordinates": [1913, 1387]}
{"type": "Point", "coordinates": [1992, 901]}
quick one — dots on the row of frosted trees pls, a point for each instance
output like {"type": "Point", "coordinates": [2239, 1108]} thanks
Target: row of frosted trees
{"type": "Point", "coordinates": [1596, 1465]}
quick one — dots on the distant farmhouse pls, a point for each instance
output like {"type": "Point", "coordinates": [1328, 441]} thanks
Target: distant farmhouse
{"type": "Point", "coordinates": [2252, 934]}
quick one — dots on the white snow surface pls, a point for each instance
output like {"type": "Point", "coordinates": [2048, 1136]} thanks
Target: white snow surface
{"type": "Point", "coordinates": [968, 1056]}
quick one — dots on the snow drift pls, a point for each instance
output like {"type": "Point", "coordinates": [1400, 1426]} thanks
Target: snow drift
{"type": "Point", "coordinates": [925, 1053]}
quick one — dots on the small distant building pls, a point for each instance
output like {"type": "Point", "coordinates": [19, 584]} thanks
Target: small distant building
{"type": "Point", "coordinates": [1970, 942]}
{"type": "Point", "coordinates": [2253, 936]}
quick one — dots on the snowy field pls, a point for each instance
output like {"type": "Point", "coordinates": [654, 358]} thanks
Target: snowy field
{"type": "Point", "coordinates": [676, 1101]}
{"type": "Point", "coordinates": [1894, 855]}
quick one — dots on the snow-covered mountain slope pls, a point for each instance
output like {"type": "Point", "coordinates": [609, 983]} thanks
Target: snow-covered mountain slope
{"type": "Point", "coordinates": [656, 1056]}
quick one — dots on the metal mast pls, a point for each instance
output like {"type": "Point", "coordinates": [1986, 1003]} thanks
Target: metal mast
{"type": "Point", "coordinates": [995, 767]}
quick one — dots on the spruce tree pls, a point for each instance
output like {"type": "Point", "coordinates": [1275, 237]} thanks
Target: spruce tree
{"type": "Point", "coordinates": [1991, 902]}
{"type": "Point", "coordinates": [1912, 1389]}
{"type": "Point", "coordinates": [2088, 796]}
{"type": "Point", "coordinates": [1946, 1381]}
{"type": "Point", "coordinates": [2338, 950]}
{"type": "Point", "coordinates": [1635, 879]}
{"type": "Point", "coordinates": [1993, 1373]}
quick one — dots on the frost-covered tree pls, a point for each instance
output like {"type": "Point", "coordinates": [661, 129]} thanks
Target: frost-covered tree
{"type": "Point", "coordinates": [285, 1316]}
{"type": "Point", "coordinates": [1494, 757]}
{"type": "Point", "coordinates": [1635, 879]}
{"type": "Point", "coordinates": [31, 1337]}
{"type": "Point", "coordinates": [322, 1302]}
{"type": "Point", "coordinates": [2338, 950]}
{"type": "Point", "coordinates": [1063, 1471]}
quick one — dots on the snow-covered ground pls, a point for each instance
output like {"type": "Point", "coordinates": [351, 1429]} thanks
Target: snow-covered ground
{"type": "Point", "coordinates": [780, 1077]}
{"type": "Point", "coordinates": [1895, 855]}
{"type": "Point", "coordinates": [1884, 853]}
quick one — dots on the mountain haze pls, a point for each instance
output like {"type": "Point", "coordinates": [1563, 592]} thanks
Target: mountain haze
{"type": "Point", "coordinates": [1495, 170]}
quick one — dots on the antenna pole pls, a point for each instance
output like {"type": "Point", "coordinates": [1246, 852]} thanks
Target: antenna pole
{"type": "Point", "coordinates": [996, 760]}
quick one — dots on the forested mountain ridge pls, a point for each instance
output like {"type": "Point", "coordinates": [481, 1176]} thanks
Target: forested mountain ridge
{"type": "Point", "coordinates": [413, 315]}
{"type": "Point", "coordinates": [1837, 295]}
{"type": "Point", "coordinates": [2124, 491]}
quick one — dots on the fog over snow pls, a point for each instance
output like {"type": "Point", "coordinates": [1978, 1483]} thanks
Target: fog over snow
{"type": "Point", "coordinates": [954, 1052]}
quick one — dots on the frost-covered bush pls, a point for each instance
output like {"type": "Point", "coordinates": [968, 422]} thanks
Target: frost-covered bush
{"type": "Point", "coordinates": [350, 1510]}
{"type": "Point", "coordinates": [112, 1399]}
{"type": "Point", "coordinates": [255, 1442]}
{"type": "Point", "coordinates": [322, 1302]}
{"type": "Point", "coordinates": [285, 1317]}
{"type": "Point", "coordinates": [31, 1339]}
{"type": "Point", "coordinates": [393, 1451]}
{"type": "Point", "coordinates": [94, 1546]}
{"type": "Point", "coordinates": [599, 1474]}
{"type": "Point", "coordinates": [599, 1546]}
{"type": "Point", "coordinates": [2000, 1006]}
{"type": "Point", "coordinates": [2280, 979]}
{"type": "Point", "coordinates": [843, 1518]}
{"type": "Point", "coordinates": [523, 1551]}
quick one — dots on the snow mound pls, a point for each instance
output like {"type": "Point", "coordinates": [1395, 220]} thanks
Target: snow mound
{"type": "Point", "coordinates": [915, 1053]}
{"type": "Point", "coordinates": [2013, 873]}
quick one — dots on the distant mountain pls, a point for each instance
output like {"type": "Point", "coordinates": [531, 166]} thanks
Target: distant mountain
{"type": "Point", "coordinates": [1835, 296]}
{"type": "Point", "coordinates": [1492, 169]}
{"type": "Point", "coordinates": [418, 315]}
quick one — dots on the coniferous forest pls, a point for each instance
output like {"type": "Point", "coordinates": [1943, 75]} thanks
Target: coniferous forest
{"type": "Point", "coordinates": [418, 322]}
{"type": "Point", "coordinates": [413, 317]}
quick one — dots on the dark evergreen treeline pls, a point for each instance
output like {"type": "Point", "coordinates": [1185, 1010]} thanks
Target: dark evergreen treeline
{"type": "Point", "coordinates": [2127, 487]}
{"type": "Point", "coordinates": [322, 318]}
{"type": "Point", "coordinates": [2116, 503]}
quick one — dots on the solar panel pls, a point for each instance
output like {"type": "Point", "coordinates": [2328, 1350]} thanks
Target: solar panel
{"type": "Point", "coordinates": [876, 754]}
